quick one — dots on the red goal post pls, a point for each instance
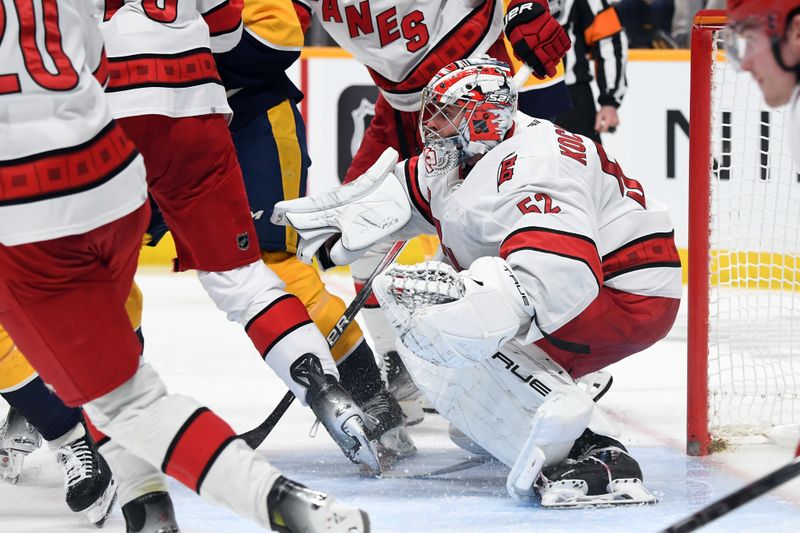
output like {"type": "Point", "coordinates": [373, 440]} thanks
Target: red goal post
{"type": "Point", "coordinates": [706, 23]}
{"type": "Point", "coordinates": [744, 257]}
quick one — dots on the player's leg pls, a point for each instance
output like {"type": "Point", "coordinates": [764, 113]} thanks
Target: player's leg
{"type": "Point", "coordinates": [544, 427]}
{"type": "Point", "coordinates": [399, 130]}
{"type": "Point", "coordinates": [18, 437]}
{"type": "Point", "coordinates": [141, 488]}
{"type": "Point", "coordinates": [271, 150]}
{"type": "Point", "coordinates": [36, 413]}
{"type": "Point", "coordinates": [65, 307]}
{"type": "Point", "coordinates": [615, 325]}
{"type": "Point", "coordinates": [196, 181]}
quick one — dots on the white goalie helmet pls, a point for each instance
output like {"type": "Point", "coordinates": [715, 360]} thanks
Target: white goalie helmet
{"type": "Point", "coordinates": [467, 109]}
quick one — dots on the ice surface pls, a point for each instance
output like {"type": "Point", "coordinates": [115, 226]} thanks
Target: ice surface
{"type": "Point", "coordinates": [199, 353]}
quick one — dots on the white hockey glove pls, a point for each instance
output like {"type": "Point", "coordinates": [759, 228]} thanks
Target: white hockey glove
{"type": "Point", "coordinates": [454, 319]}
{"type": "Point", "coordinates": [360, 214]}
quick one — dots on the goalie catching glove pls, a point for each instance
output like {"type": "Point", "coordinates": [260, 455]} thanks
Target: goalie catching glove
{"type": "Point", "coordinates": [348, 219]}
{"type": "Point", "coordinates": [535, 36]}
{"type": "Point", "coordinates": [454, 319]}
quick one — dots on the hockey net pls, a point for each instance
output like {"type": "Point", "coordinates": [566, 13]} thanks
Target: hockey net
{"type": "Point", "coordinates": [744, 257]}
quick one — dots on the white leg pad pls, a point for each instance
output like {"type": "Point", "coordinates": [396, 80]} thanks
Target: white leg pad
{"type": "Point", "coordinates": [519, 405]}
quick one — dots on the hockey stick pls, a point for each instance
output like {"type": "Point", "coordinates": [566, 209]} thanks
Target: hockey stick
{"type": "Point", "coordinates": [256, 436]}
{"type": "Point", "coordinates": [466, 464]}
{"type": "Point", "coordinates": [736, 499]}
{"type": "Point", "coordinates": [522, 75]}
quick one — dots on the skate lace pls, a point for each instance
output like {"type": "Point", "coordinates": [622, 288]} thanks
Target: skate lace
{"type": "Point", "coordinates": [604, 465]}
{"type": "Point", "coordinates": [76, 458]}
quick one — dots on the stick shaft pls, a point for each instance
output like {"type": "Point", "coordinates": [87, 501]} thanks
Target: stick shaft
{"type": "Point", "coordinates": [736, 499]}
{"type": "Point", "coordinates": [256, 436]}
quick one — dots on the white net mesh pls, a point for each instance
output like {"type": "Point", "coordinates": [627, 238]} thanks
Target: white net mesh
{"type": "Point", "coordinates": [754, 315]}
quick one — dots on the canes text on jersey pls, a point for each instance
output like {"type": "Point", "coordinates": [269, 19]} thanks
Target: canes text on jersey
{"type": "Point", "coordinates": [361, 22]}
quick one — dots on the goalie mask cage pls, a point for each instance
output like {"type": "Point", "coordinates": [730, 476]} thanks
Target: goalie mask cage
{"type": "Point", "coordinates": [744, 256]}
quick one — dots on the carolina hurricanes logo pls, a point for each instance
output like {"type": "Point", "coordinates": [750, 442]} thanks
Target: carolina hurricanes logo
{"type": "Point", "coordinates": [506, 170]}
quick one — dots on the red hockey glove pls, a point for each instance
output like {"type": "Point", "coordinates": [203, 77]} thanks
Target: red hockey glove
{"type": "Point", "coordinates": [536, 37]}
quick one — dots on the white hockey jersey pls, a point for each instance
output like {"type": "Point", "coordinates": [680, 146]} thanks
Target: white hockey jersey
{"type": "Point", "coordinates": [65, 165]}
{"type": "Point", "coordinates": [404, 43]}
{"type": "Point", "coordinates": [160, 58]}
{"type": "Point", "coordinates": [560, 212]}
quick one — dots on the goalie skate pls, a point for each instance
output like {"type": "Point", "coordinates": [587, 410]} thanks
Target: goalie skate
{"type": "Point", "coordinates": [18, 439]}
{"type": "Point", "coordinates": [336, 410]}
{"type": "Point", "coordinates": [294, 508]}
{"type": "Point", "coordinates": [385, 426]}
{"type": "Point", "coordinates": [602, 473]}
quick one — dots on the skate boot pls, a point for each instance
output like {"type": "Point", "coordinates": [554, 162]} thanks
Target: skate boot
{"type": "Point", "coordinates": [294, 508]}
{"type": "Point", "coordinates": [151, 513]}
{"type": "Point", "coordinates": [18, 439]}
{"type": "Point", "coordinates": [336, 410]}
{"type": "Point", "coordinates": [385, 425]}
{"type": "Point", "coordinates": [90, 488]}
{"type": "Point", "coordinates": [598, 472]}
{"type": "Point", "coordinates": [403, 388]}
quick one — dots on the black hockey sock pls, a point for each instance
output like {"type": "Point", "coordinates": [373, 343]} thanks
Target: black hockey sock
{"type": "Point", "coordinates": [43, 409]}
{"type": "Point", "coordinates": [359, 374]}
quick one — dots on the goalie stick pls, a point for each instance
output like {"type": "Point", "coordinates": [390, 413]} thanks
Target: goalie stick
{"type": "Point", "coordinates": [256, 436]}
{"type": "Point", "coordinates": [466, 464]}
{"type": "Point", "coordinates": [736, 499]}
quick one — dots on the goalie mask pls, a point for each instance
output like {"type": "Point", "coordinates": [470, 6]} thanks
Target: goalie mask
{"type": "Point", "coordinates": [467, 109]}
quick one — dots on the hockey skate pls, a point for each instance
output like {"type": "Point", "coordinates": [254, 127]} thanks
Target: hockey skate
{"type": "Point", "coordinates": [337, 411]}
{"type": "Point", "coordinates": [598, 472]}
{"type": "Point", "coordinates": [385, 425]}
{"type": "Point", "coordinates": [151, 513]}
{"type": "Point", "coordinates": [18, 439]}
{"type": "Point", "coordinates": [90, 487]}
{"type": "Point", "coordinates": [403, 388]}
{"type": "Point", "coordinates": [294, 508]}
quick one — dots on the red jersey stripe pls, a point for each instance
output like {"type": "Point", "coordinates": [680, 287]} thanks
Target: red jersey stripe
{"type": "Point", "coordinates": [655, 250]}
{"type": "Point", "coordinates": [224, 18]}
{"type": "Point", "coordinates": [101, 72]}
{"type": "Point", "coordinates": [66, 170]}
{"type": "Point", "coordinates": [284, 315]}
{"type": "Point", "coordinates": [195, 447]}
{"type": "Point", "coordinates": [562, 243]}
{"type": "Point", "coordinates": [186, 69]}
